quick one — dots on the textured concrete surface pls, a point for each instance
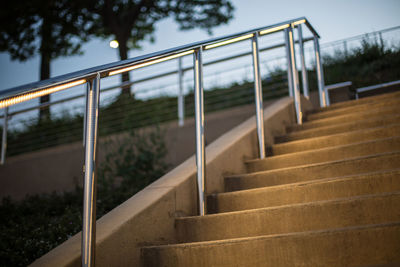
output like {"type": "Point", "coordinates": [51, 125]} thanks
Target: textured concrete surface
{"type": "Point", "coordinates": [371, 163]}
{"type": "Point", "coordinates": [60, 168]}
{"type": "Point", "coordinates": [325, 154]}
{"type": "Point", "coordinates": [301, 192]}
{"type": "Point", "coordinates": [317, 215]}
{"type": "Point", "coordinates": [337, 139]}
{"type": "Point", "coordinates": [340, 128]}
{"type": "Point", "coordinates": [148, 218]}
{"type": "Point", "coordinates": [353, 109]}
{"type": "Point", "coordinates": [351, 246]}
{"type": "Point", "coordinates": [329, 200]}
{"type": "Point", "coordinates": [361, 101]}
{"type": "Point", "coordinates": [353, 117]}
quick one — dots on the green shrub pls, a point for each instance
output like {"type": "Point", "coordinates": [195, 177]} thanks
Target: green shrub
{"type": "Point", "coordinates": [34, 226]}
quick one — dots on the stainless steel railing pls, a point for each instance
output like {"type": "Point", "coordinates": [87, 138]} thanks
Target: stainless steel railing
{"type": "Point", "coordinates": [375, 87]}
{"type": "Point", "coordinates": [92, 77]}
{"type": "Point", "coordinates": [16, 124]}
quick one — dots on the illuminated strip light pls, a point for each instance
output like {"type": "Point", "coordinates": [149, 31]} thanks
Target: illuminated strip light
{"type": "Point", "coordinates": [141, 65]}
{"type": "Point", "coordinates": [299, 22]}
{"type": "Point", "coordinates": [274, 29]}
{"type": "Point", "coordinates": [28, 96]}
{"type": "Point", "coordinates": [237, 39]}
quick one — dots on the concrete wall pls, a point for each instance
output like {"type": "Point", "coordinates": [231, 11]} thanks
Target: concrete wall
{"type": "Point", "coordinates": [60, 168]}
{"type": "Point", "coordinates": [148, 218]}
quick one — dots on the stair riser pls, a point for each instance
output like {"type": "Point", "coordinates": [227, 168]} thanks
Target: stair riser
{"type": "Point", "coordinates": [288, 219]}
{"type": "Point", "coordinates": [347, 247]}
{"type": "Point", "coordinates": [374, 114]}
{"type": "Point", "coordinates": [361, 101]}
{"type": "Point", "coordinates": [302, 193]}
{"type": "Point", "coordinates": [336, 140]}
{"type": "Point", "coordinates": [324, 155]}
{"type": "Point", "coordinates": [350, 110]}
{"type": "Point", "coordinates": [360, 125]}
{"type": "Point", "coordinates": [313, 172]}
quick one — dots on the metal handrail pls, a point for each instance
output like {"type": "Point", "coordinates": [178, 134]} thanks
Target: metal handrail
{"type": "Point", "coordinates": [336, 86]}
{"type": "Point", "coordinates": [376, 86]}
{"type": "Point", "coordinates": [92, 77]}
{"type": "Point", "coordinates": [149, 78]}
{"type": "Point", "coordinates": [104, 70]}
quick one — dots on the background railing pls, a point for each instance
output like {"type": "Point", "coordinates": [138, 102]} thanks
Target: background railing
{"type": "Point", "coordinates": [92, 77]}
{"type": "Point", "coordinates": [170, 88]}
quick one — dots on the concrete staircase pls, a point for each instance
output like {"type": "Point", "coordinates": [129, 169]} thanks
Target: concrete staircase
{"type": "Point", "coordinates": [328, 196]}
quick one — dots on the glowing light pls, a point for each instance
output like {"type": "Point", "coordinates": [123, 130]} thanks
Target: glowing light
{"type": "Point", "coordinates": [114, 44]}
{"type": "Point", "coordinates": [299, 22]}
{"type": "Point", "coordinates": [28, 96]}
{"type": "Point", "coordinates": [274, 29]}
{"type": "Point", "coordinates": [237, 39]}
{"type": "Point", "coordinates": [144, 64]}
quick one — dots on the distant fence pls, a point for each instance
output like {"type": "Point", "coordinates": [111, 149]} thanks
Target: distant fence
{"type": "Point", "coordinates": [156, 92]}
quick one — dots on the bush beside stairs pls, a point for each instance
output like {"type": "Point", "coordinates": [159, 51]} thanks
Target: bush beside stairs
{"type": "Point", "coordinates": [329, 195]}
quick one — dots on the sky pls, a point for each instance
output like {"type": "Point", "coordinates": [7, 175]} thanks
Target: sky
{"type": "Point", "coordinates": [333, 19]}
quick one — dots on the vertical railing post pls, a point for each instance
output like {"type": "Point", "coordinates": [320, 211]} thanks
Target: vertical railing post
{"type": "Point", "coordinates": [85, 113]}
{"type": "Point", "coordinates": [89, 189]}
{"type": "Point", "coordinates": [258, 96]}
{"type": "Point", "coordinates": [381, 40]}
{"type": "Point", "coordinates": [303, 63]}
{"type": "Point", "coordinates": [295, 80]}
{"type": "Point", "coordinates": [199, 120]}
{"type": "Point", "coordinates": [323, 97]}
{"type": "Point", "coordinates": [345, 48]}
{"type": "Point", "coordinates": [289, 64]}
{"type": "Point", "coordinates": [181, 99]}
{"type": "Point", "coordinates": [4, 137]}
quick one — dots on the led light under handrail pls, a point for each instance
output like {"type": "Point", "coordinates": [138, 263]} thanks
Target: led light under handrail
{"type": "Point", "coordinates": [275, 29]}
{"type": "Point", "coordinates": [28, 96]}
{"type": "Point", "coordinates": [234, 40]}
{"type": "Point", "coordinates": [148, 63]}
{"type": "Point", "coordinates": [299, 22]}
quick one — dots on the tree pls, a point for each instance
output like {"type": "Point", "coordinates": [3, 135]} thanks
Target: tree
{"type": "Point", "coordinates": [132, 21]}
{"type": "Point", "coordinates": [49, 28]}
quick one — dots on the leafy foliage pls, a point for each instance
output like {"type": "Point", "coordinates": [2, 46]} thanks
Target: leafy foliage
{"type": "Point", "coordinates": [129, 168]}
{"type": "Point", "coordinates": [369, 64]}
{"type": "Point", "coordinates": [48, 28]}
{"type": "Point", "coordinates": [53, 27]}
{"type": "Point", "coordinates": [131, 22]}
{"type": "Point", "coordinates": [34, 226]}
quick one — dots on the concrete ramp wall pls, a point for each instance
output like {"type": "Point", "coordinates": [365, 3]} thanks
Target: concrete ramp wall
{"type": "Point", "coordinates": [148, 218]}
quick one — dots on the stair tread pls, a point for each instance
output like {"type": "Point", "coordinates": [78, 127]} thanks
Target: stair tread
{"type": "Point", "coordinates": [329, 247]}
{"type": "Point", "coordinates": [300, 192]}
{"type": "Point", "coordinates": [323, 214]}
{"type": "Point", "coordinates": [338, 128]}
{"type": "Point", "coordinates": [338, 138]}
{"type": "Point", "coordinates": [368, 114]}
{"type": "Point", "coordinates": [331, 113]}
{"type": "Point", "coordinates": [298, 234]}
{"type": "Point", "coordinates": [325, 154]}
{"type": "Point", "coordinates": [364, 164]}
{"type": "Point", "coordinates": [354, 102]}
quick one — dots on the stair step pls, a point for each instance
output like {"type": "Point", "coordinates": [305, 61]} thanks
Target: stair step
{"type": "Point", "coordinates": [358, 116]}
{"type": "Point", "coordinates": [353, 109]}
{"type": "Point", "coordinates": [350, 246]}
{"type": "Point", "coordinates": [319, 215]}
{"type": "Point", "coordinates": [316, 190]}
{"type": "Point", "coordinates": [336, 139]}
{"type": "Point", "coordinates": [340, 128]}
{"type": "Point", "coordinates": [361, 101]}
{"type": "Point", "coordinates": [325, 154]}
{"type": "Point", "coordinates": [359, 165]}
